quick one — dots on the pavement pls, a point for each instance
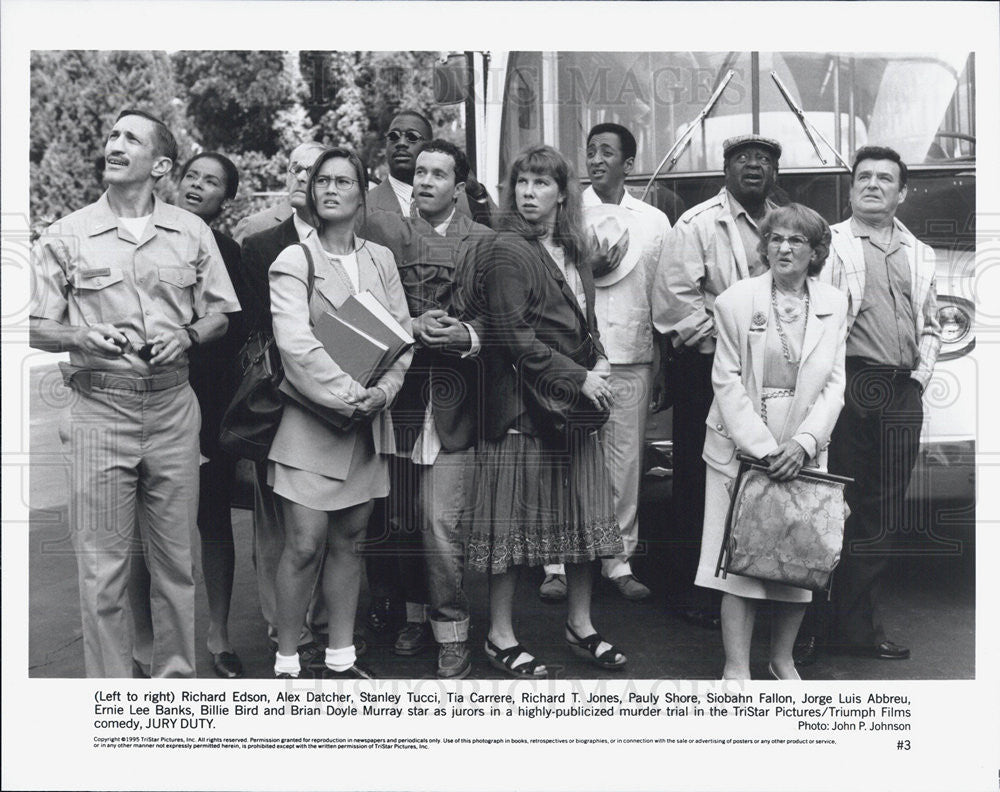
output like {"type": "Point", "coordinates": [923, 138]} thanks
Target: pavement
{"type": "Point", "coordinates": [929, 603]}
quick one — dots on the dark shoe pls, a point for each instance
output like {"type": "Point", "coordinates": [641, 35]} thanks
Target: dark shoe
{"type": "Point", "coordinates": [503, 660]}
{"type": "Point", "coordinates": [553, 588]}
{"type": "Point", "coordinates": [886, 650]}
{"type": "Point", "coordinates": [227, 665]}
{"type": "Point", "coordinates": [454, 660]}
{"type": "Point", "coordinates": [630, 588]}
{"type": "Point", "coordinates": [312, 658]}
{"type": "Point", "coordinates": [806, 651]}
{"type": "Point", "coordinates": [354, 672]}
{"type": "Point", "coordinates": [140, 670]}
{"type": "Point", "coordinates": [702, 618]}
{"type": "Point", "coordinates": [383, 613]}
{"type": "Point", "coordinates": [283, 675]}
{"type": "Point", "coordinates": [413, 639]}
{"type": "Point", "coordinates": [611, 659]}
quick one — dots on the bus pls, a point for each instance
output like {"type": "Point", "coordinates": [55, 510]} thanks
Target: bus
{"type": "Point", "coordinates": [822, 107]}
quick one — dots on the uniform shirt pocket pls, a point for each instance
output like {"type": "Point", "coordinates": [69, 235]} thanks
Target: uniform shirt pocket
{"type": "Point", "coordinates": [99, 292]}
{"type": "Point", "coordinates": [180, 277]}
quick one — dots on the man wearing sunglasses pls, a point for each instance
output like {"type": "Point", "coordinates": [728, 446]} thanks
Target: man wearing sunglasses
{"type": "Point", "coordinates": [407, 132]}
{"type": "Point", "coordinates": [713, 245]}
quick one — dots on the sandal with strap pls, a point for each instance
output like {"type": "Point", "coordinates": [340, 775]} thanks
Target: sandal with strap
{"type": "Point", "coordinates": [586, 648]}
{"type": "Point", "coordinates": [503, 660]}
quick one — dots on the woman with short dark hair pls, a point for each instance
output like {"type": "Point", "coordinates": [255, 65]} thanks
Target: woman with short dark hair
{"type": "Point", "coordinates": [207, 181]}
{"type": "Point", "coordinates": [778, 377]}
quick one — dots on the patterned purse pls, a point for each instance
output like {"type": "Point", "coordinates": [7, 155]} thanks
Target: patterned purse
{"type": "Point", "coordinates": [789, 532]}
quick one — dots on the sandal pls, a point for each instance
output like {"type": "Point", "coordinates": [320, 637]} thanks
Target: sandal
{"type": "Point", "coordinates": [503, 660]}
{"type": "Point", "coordinates": [586, 648]}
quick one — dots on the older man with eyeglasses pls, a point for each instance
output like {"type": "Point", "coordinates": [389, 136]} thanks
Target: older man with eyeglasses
{"type": "Point", "coordinates": [259, 252]}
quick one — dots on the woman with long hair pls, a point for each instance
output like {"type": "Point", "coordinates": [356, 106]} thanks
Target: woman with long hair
{"type": "Point", "coordinates": [325, 477]}
{"type": "Point", "coordinates": [543, 494]}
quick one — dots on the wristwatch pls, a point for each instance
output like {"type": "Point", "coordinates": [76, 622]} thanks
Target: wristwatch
{"type": "Point", "coordinates": [193, 335]}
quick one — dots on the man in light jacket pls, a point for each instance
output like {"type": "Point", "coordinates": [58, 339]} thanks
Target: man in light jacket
{"type": "Point", "coordinates": [713, 245]}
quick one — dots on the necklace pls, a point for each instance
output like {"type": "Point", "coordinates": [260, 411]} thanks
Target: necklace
{"type": "Point", "coordinates": [788, 310]}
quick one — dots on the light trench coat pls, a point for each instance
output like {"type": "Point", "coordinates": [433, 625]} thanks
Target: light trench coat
{"type": "Point", "coordinates": [303, 440]}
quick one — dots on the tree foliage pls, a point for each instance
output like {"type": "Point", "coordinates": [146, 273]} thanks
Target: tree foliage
{"type": "Point", "coordinates": [75, 97]}
{"type": "Point", "coordinates": [252, 106]}
{"type": "Point", "coordinates": [235, 97]}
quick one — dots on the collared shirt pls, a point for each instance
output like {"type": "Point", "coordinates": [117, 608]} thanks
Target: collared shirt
{"type": "Point", "coordinates": [442, 227]}
{"type": "Point", "coordinates": [749, 233]}
{"type": "Point", "coordinates": [883, 331]}
{"type": "Point", "coordinates": [404, 194]}
{"type": "Point", "coordinates": [89, 269]}
{"type": "Point", "coordinates": [569, 272]}
{"type": "Point", "coordinates": [302, 228]}
{"type": "Point", "coordinates": [623, 308]}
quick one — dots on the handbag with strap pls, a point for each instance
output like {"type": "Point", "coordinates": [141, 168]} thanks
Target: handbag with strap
{"type": "Point", "coordinates": [251, 420]}
{"type": "Point", "coordinates": [788, 532]}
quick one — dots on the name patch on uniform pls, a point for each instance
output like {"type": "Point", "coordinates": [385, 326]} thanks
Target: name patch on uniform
{"type": "Point", "coordinates": [98, 272]}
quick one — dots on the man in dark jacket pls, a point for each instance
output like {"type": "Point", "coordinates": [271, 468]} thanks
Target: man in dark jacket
{"type": "Point", "coordinates": [435, 415]}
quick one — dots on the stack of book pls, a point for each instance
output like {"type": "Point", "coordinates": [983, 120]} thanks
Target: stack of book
{"type": "Point", "coordinates": [364, 339]}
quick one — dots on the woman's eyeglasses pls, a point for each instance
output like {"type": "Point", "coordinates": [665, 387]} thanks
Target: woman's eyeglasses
{"type": "Point", "coordinates": [342, 183]}
{"type": "Point", "coordinates": [394, 135]}
{"type": "Point", "coordinates": [794, 242]}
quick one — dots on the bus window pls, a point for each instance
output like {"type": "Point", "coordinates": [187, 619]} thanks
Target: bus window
{"type": "Point", "coordinates": [921, 105]}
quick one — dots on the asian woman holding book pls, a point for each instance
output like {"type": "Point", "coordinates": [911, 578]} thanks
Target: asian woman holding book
{"type": "Point", "coordinates": [325, 477]}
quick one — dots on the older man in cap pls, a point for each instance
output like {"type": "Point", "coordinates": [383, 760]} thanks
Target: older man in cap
{"type": "Point", "coordinates": [713, 245]}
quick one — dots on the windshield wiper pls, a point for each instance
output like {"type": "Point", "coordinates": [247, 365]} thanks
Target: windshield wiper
{"type": "Point", "coordinates": [807, 124]}
{"type": "Point", "coordinates": [681, 143]}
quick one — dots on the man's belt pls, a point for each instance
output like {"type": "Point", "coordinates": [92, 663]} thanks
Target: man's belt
{"type": "Point", "coordinates": [87, 380]}
{"type": "Point", "coordinates": [856, 364]}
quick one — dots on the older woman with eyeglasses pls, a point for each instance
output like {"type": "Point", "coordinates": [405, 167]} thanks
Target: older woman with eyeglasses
{"type": "Point", "coordinates": [324, 478]}
{"type": "Point", "coordinates": [778, 377]}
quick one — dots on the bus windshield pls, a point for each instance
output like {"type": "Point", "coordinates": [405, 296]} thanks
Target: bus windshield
{"type": "Point", "coordinates": [920, 104]}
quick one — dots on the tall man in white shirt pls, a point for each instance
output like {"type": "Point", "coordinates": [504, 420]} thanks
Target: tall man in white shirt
{"type": "Point", "coordinates": [624, 316]}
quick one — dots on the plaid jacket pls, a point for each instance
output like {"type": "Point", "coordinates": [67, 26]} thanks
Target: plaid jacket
{"type": "Point", "coordinates": [845, 269]}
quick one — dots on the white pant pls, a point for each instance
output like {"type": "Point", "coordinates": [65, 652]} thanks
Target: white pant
{"type": "Point", "coordinates": [623, 438]}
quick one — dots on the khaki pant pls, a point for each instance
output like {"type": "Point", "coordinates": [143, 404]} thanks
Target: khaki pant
{"type": "Point", "coordinates": [134, 454]}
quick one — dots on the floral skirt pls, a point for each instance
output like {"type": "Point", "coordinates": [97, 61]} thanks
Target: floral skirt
{"type": "Point", "coordinates": [534, 505]}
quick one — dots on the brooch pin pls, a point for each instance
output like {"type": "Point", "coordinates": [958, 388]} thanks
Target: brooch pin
{"type": "Point", "coordinates": [759, 321]}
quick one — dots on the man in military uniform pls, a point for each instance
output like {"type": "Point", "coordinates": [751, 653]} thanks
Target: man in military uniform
{"type": "Point", "coordinates": [127, 285]}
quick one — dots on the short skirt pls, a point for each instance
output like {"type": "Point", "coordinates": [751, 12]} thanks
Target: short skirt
{"type": "Point", "coordinates": [367, 478]}
{"type": "Point", "coordinates": [534, 505]}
